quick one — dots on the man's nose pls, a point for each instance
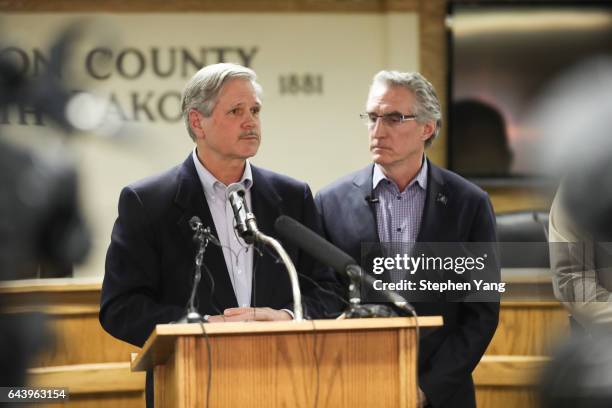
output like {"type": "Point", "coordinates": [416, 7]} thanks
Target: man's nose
{"type": "Point", "coordinates": [377, 129]}
{"type": "Point", "coordinates": [250, 120]}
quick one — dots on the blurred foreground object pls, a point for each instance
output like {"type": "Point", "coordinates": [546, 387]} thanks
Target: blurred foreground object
{"type": "Point", "coordinates": [40, 221]}
{"type": "Point", "coordinates": [580, 374]}
{"type": "Point", "coordinates": [575, 116]}
{"type": "Point", "coordinates": [581, 268]}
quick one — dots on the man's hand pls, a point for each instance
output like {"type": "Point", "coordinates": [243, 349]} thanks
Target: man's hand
{"type": "Point", "coordinates": [248, 314]}
{"type": "Point", "coordinates": [422, 402]}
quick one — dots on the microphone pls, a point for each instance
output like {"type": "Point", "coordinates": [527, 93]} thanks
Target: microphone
{"type": "Point", "coordinates": [328, 254]}
{"type": "Point", "coordinates": [246, 225]}
{"type": "Point", "coordinates": [196, 225]}
{"type": "Point", "coordinates": [372, 200]}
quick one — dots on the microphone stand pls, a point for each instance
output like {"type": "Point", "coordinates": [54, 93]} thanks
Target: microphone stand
{"type": "Point", "coordinates": [246, 226]}
{"type": "Point", "coordinates": [357, 310]}
{"type": "Point", "coordinates": [298, 314]}
{"type": "Point", "coordinates": [201, 236]}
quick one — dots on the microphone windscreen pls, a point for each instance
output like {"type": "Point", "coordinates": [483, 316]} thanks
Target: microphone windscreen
{"type": "Point", "coordinates": [194, 222]}
{"type": "Point", "coordinates": [313, 244]}
{"type": "Point", "coordinates": [234, 188]}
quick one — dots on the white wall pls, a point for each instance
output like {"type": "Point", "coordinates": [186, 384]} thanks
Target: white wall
{"type": "Point", "coordinates": [314, 137]}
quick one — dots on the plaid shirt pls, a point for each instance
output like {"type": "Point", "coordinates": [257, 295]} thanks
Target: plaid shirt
{"type": "Point", "coordinates": [398, 214]}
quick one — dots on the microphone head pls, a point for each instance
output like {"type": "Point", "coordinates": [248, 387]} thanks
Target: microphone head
{"type": "Point", "coordinates": [195, 223]}
{"type": "Point", "coordinates": [235, 188]}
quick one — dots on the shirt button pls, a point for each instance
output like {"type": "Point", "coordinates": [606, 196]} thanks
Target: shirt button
{"type": "Point", "coordinates": [399, 197]}
{"type": "Point", "coordinates": [239, 271]}
{"type": "Point", "coordinates": [399, 230]}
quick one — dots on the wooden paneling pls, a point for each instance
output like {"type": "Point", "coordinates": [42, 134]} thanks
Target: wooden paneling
{"type": "Point", "coordinates": [80, 339]}
{"type": "Point", "coordinates": [92, 364]}
{"type": "Point", "coordinates": [89, 378]}
{"type": "Point", "coordinates": [432, 56]}
{"type": "Point", "coordinates": [529, 328]}
{"type": "Point", "coordinates": [333, 368]}
{"type": "Point", "coordinates": [93, 385]}
{"type": "Point", "coordinates": [519, 198]}
{"type": "Point", "coordinates": [508, 373]}
{"type": "Point", "coordinates": [72, 307]}
{"type": "Point", "coordinates": [209, 5]}
{"type": "Point", "coordinates": [505, 371]}
{"type": "Point", "coordinates": [114, 400]}
{"type": "Point", "coordinates": [510, 397]}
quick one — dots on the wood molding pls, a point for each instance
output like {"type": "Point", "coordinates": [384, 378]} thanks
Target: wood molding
{"type": "Point", "coordinates": [51, 285]}
{"type": "Point", "coordinates": [66, 296]}
{"type": "Point", "coordinates": [143, 6]}
{"type": "Point", "coordinates": [509, 371]}
{"type": "Point", "coordinates": [433, 65]}
{"type": "Point", "coordinates": [163, 338]}
{"type": "Point", "coordinates": [89, 378]}
{"type": "Point", "coordinates": [532, 304]}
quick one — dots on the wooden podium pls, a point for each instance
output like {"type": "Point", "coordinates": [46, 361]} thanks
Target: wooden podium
{"type": "Point", "coordinates": [319, 363]}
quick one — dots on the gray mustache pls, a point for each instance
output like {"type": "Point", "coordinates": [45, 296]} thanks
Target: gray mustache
{"type": "Point", "coordinates": [249, 133]}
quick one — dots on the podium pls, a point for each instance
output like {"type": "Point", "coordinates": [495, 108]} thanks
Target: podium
{"type": "Point", "coordinates": [318, 363]}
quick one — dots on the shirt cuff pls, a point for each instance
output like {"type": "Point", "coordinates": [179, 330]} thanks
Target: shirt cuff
{"type": "Point", "coordinates": [290, 313]}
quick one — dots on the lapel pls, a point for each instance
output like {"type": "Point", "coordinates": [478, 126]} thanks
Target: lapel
{"type": "Point", "coordinates": [191, 200]}
{"type": "Point", "coordinates": [363, 219]}
{"type": "Point", "coordinates": [266, 205]}
{"type": "Point", "coordinates": [364, 211]}
{"type": "Point", "coordinates": [436, 203]}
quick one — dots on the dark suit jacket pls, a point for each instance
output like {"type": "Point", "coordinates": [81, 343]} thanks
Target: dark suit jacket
{"type": "Point", "coordinates": [150, 260]}
{"type": "Point", "coordinates": [455, 211]}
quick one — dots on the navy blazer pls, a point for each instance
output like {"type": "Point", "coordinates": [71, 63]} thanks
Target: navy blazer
{"type": "Point", "coordinates": [150, 260]}
{"type": "Point", "coordinates": [455, 211]}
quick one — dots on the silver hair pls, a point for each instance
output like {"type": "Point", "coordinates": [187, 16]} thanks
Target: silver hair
{"type": "Point", "coordinates": [203, 88]}
{"type": "Point", "coordinates": [427, 107]}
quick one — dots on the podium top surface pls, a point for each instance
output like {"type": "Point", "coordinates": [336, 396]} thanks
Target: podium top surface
{"type": "Point", "coordinates": [162, 339]}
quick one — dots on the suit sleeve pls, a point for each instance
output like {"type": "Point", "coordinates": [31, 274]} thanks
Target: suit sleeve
{"type": "Point", "coordinates": [575, 271]}
{"type": "Point", "coordinates": [129, 309]}
{"type": "Point", "coordinates": [318, 282]}
{"type": "Point", "coordinates": [452, 364]}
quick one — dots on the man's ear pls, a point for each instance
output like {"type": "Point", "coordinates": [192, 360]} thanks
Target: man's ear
{"type": "Point", "coordinates": [428, 130]}
{"type": "Point", "coordinates": [195, 123]}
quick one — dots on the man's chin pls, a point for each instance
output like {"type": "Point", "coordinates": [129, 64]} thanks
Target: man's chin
{"type": "Point", "coordinates": [380, 159]}
{"type": "Point", "coordinates": [248, 153]}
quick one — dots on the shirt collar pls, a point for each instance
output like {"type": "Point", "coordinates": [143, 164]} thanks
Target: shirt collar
{"type": "Point", "coordinates": [210, 182]}
{"type": "Point", "coordinates": [420, 179]}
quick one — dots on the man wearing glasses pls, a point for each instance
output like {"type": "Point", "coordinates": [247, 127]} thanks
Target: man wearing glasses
{"type": "Point", "coordinates": [403, 197]}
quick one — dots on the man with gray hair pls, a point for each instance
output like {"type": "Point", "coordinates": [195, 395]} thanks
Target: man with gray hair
{"type": "Point", "coordinates": [403, 198]}
{"type": "Point", "coordinates": [150, 260]}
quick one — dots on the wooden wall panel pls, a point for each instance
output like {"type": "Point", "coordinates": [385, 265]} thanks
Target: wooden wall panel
{"type": "Point", "coordinates": [432, 56]}
{"type": "Point", "coordinates": [90, 378]}
{"type": "Point", "coordinates": [92, 364]}
{"type": "Point", "coordinates": [529, 328]}
{"type": "Point", "coordinates": [80, 339]}
{"type": "Point", "coordinates": [114, 400]}
{"type": "Point", "coordinates": [505, 397]}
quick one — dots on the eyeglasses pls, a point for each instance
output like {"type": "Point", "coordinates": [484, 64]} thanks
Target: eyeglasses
{"type": "Point", "coordinates": [389, 119]}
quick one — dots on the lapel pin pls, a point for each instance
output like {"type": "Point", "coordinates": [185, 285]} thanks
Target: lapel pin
{"type": "Point", "coordinates": [441, 198]}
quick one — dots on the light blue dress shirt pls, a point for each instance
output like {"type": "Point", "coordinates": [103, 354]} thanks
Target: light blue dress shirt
{"type": "Point", "coordinates": [238, 255]}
